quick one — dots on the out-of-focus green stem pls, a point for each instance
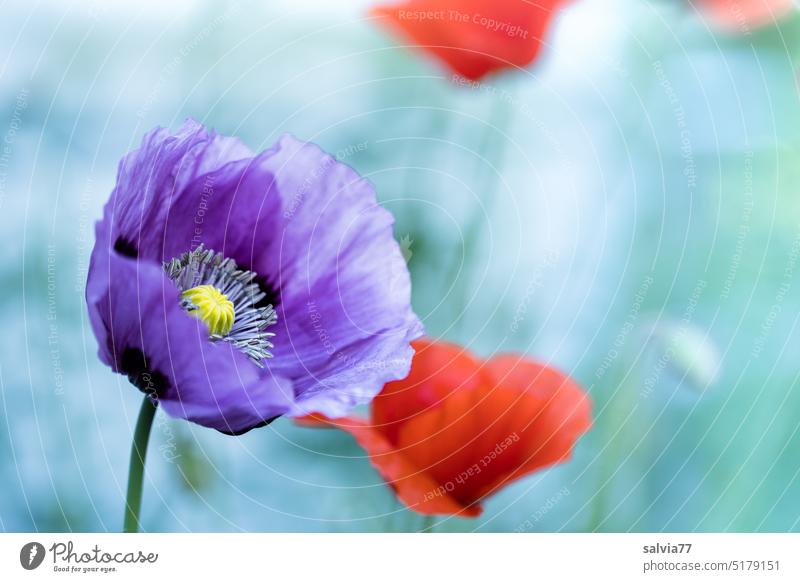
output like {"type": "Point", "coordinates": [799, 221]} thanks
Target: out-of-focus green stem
{"type": "Point", "coordinates": [492, 151]}
{"type": "Point", "coordinates": [428, 523]}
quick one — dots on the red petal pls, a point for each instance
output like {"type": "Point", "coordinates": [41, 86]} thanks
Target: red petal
{"type": "Point", "coordinates": [525, 417]}
{"type": "Point", "coordinates": [473, 37]}
{"type": "Point", "coordinates": [456, 430]}
{"type": "Point", "coordinates": [551, 413]}
{"type": "Point", "coordinates": [415, 488]}
{"type": "Point", "coordinates": [438, 370]}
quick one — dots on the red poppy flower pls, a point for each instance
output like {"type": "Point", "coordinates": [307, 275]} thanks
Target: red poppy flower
{"type": "Point", "coordinates": [473, 37]}
{"type": "Point", "coordinates": [458, 429]}
{"type": "Point", "coordinates": [744, 14]}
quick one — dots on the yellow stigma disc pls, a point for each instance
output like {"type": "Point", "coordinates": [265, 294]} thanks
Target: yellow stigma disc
{"type": "Point", "coordinates": [213, 308]}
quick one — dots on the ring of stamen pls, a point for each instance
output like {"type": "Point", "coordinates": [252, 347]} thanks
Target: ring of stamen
{"type": "Point", "coordinates": [214, 289]}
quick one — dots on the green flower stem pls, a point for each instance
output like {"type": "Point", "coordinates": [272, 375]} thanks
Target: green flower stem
{"type": "Point", "coordinates": [612, 419]}
{"type": "Point", "coordinates": [428, 524]}
{"type": "Point", "coordinates": [141, 436]}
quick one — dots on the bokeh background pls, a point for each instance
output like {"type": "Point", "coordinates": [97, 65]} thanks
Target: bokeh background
{"type": "Point", "coordinates": [625, 209]}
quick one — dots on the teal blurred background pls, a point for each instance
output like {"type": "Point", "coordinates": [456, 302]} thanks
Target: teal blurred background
{"type": "Point", "coordinates": [626, 209]}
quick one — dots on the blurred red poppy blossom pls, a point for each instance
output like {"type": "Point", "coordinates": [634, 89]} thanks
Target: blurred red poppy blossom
{"type": "Point", "coordinates": [473, 37]}
{"type": "Point", "coordinates": [744, 14]}
{"type": "Point", "coordinates": [458, 429]}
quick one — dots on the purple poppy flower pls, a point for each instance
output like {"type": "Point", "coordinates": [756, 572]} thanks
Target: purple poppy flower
{"type": "Point", "coordinates": [235, 288]}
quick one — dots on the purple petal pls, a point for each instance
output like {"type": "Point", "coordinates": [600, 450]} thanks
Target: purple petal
{"type": "Point", "coordinates": [344, 315]}
{"type": "Point", "coordinates": [144, 333]}
{"type": "Point", "coordinates": [314, 232]}
{"type": "Point", "coordinates": [322, 247]}
{"type": "Point", "coordinates": [233, 210]}
{"type": "Point", "coordinates": [150, 178]}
